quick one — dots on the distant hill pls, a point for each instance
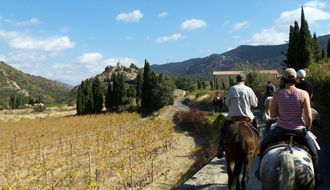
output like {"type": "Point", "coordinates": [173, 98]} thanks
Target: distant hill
{"type": "Point", "coordinates": [269, 57]}
{"type": "Point", "coordinates": [15, 81]}
{"type": "Point", "coordinates": [69, 86]}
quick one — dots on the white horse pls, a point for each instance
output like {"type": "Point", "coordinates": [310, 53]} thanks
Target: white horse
{"type": "Point", "coordinates": [285, 169]}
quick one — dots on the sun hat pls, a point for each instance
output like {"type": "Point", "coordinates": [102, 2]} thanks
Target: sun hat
{"type": "Point", "coordinates": [289, 74]}
{"type": "Point", "coordinates": [241, 77]}
{"type": "Point", "coordinates": [301, 73]}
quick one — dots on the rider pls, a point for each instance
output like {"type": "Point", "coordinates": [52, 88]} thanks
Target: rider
{"type": "Point", "coordinates": [304, 84]}
{"type": "Point", "coordinates": [239, 99]}
{"type": "Point", "coordinates": [217, 96]}
{"type": "Point", "coordinates": [270, 90]}
{"type": "Point", "coordinates": [288, 104]}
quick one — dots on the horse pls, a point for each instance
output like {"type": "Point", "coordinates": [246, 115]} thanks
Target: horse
{"type": "Point", "coordinates": [285, 166]}
{"type": "Point", "coordinates": [217, 102]}
{"type": "Point", "coordinates": [241, 144]}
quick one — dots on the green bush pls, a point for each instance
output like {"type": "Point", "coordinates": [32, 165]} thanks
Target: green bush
{"type": "Point", "coordinates": [39, 108]}
{"type": "Point", "coordinates": [71, 104]}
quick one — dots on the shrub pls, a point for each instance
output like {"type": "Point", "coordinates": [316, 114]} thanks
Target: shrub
{"type": "Point", "coordinates": [39, 108]}
{"type": "Point", "coordinates": [71, 104]}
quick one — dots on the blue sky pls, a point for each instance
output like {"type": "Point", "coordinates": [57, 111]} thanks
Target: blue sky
{"type": "Point", "coordinates": [74, 40]}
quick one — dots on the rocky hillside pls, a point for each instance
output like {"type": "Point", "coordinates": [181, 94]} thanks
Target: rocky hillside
{"type": "Point", "coordinates": [129, 74]}
{"type": "Point", "coordinates": [15, 81]}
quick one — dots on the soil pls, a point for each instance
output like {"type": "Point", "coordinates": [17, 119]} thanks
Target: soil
{"type": "Point", "coordinates": [177, 160]}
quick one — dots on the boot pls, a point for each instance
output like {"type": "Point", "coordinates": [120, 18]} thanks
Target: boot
{"type": "Point", "coordinates": [257, 126]}
{"type": "Point", "coordinates": [222, 134]}
{"type": "Point", "coordinates": [318, 178]}
{"type": "Point", "coordinates": [221, 147]}
{"type": "Point", "coordinates": [257, 173]}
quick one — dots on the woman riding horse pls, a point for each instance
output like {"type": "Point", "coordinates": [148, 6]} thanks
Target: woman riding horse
{"type": "Point", "coordinates": [288, 104]}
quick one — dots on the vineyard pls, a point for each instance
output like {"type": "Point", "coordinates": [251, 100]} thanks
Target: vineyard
{"type": "Point", "coordinates": [110, 151]}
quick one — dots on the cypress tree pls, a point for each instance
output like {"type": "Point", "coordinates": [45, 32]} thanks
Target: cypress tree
{"type": "Point", "coordinates": [315, 49]}
{"type": "Point", "coordinates": [121, 88]}
{"type": "Point", "coordinates": [115, 90]}
{"type": "Point", "coordinates": [217, 87]}
{"type": "Point", "coordinates": [303, 45]}
{"type": "Point", "coordinates": [80, 101]}
{"type": "Point", "coordinates": [146, 87]}
{"type": "Point", "coordinates": [328, 47]}
{"type": "Point", "coordinates": [131, 92]}
{"type": "Point", "coordinates": [324, 53]}
{"type": "Point", "coordinates": [88, 98]}
{"type": "Point", "coordinates": [139, 83]}
{"type": "Point", "coordinates": [290, 62]}
{"type": "Point", "coordinates": [97, 95]}
{"type": "Point", "coordinates": [204, 85]}
{"type": "Point", "coordinates": [160, 78]}
{"type": "Point", "coordinates": [153, 80]}
{"type": "Point", "coordinates": [211, 84]}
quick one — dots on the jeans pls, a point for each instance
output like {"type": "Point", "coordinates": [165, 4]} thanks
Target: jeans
{"type": "Point", "coordinates": [301, 133]}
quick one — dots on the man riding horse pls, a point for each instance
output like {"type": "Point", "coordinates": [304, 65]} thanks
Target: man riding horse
{"type": "Point", "coordinates": [239, 99]}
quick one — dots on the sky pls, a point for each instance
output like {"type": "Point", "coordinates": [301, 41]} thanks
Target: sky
{"type": "Point", "coordinates": [71, 41]}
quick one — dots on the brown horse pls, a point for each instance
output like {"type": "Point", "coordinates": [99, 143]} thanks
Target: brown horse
{"type": "Point", "coordinates": [241, 144]}
{"type": "Point", "coordinates": [217, 103]}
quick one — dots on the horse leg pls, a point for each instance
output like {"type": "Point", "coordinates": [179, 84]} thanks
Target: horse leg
{"type": "Point", "coordinates": [230, 172]}
{"type": "Point", "coordinates": [246, 170]}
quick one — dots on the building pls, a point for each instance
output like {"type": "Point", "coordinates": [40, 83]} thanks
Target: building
{"type": "Point", "coordinates": [178, 93]}
{"type": "Point", "coordinates": [225, 76]}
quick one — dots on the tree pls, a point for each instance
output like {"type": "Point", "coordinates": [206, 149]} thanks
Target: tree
{"type": "Point", "coordinates": [88, 98]}
{"type": "Point", "coordinates": [139, 83]}
{"type": "Point", "coordinates": [160, 78]}
{"type": "Point", "coordinates": [80, 100]}
{"type": "Point", "coordinates": [303, 56]}
{"type": "Point", "coordinates": [97, 95]}
{"type": "Point", "coordinates": [146, 87]}
{"type": "Point", "coordinates": [131, 92]}
{"type": "Point", "coordinates": [328, 47]}
{"type": "Point", "coordinates": [163, 94]}
{"type": "Point", "coordinates": [120, 88]}
{"type": "Point", "coordinates": [316, 49]}
{"type": "Point", "coordinates": [324, 53]}
{"type": "Point", "coordinates": [223, 84]}
{"type": "Point", "coordinates": [290, 62]}
{"type": "Point", "coordinates": [217, 87]}
{"type": "Point", "coordinates": [203, 85]}
{"type": "Point", "coordinates": [109, 97]}
{"type": "Point", "coordinates": [211, 84]}
{"type": "Point", "coordinates": [133, 66]}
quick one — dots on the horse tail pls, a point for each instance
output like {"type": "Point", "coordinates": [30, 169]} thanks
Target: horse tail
{"type": "Point", "coordinates": [287, 170]}
{"type": "Point", "coordinates": [240, 151]}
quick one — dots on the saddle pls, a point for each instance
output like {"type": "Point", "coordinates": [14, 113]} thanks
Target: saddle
{"type": "Point", "coordinates": [246, 120]}
{"type": "Point", "coordinates": [285, 140]}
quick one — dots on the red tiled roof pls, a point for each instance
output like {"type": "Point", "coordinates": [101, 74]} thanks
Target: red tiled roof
{"type": "Point", "coordinates": [238, 72]}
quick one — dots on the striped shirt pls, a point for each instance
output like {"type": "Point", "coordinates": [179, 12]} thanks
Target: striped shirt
{"type": "Point", "coordinates": [239, 99]}
{"type": "Point", "coordinates": [290, 109]}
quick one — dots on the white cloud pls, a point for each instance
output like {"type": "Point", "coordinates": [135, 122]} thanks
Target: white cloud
{"type": "Point", "coordinates": [237, 26]}
{"type": "Point", "coordinates": [205, 51]}
{"type": "Point", "coordinates": [229, 49]}
{"type": "Point", "coordinates": [129, 37]}
{"type": "Point", "coordinates": [135, 16]}
{"type": "Point", "coordinates": [315, 4]}
{"type": "Point", "coordinates": [192, 24]}
{"type": "Point", "coordinates": [33, 21]}
{"type": "Point", "coordinates": [237, 37]}
{"type": "Point", "coordinates": [20, 40]}
{"type": "Point", "coordinates": [65, 29]}
{"type": "Point", "coordinates": [163, 14]}
{"type": "Point", "coordinates": [89, 58]}
{"type": "Point", "coordinates": [226, 22]}
{"type": "Point", "coordinates": [268, 37]}
{"type": "Point", "coordinates": [43, 31]}
{"type": "Point", "coordinates": [170, 38]}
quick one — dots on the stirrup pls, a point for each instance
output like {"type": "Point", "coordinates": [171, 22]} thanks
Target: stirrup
{"type": "Point", "coordinates": [318, 181]}
{"type": "Point", "coordinates": [257, 173]}
{"type": "Point", "coordinates": [220, 153]}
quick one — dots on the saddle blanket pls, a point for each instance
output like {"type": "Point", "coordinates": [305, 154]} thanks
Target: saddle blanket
{"type": "Point", "coordinates": [309, 133]}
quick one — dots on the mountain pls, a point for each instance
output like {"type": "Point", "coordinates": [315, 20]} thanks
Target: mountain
{"type": "Point", "coordinates": [15, 81]}
{"type": "Point", "coordinates": [69, 86]}
{"type": "Point", "coordinates": [268, 56]}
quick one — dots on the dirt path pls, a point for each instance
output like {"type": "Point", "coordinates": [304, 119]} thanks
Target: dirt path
{"type": "Point", "coordinates": [177, 159]}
